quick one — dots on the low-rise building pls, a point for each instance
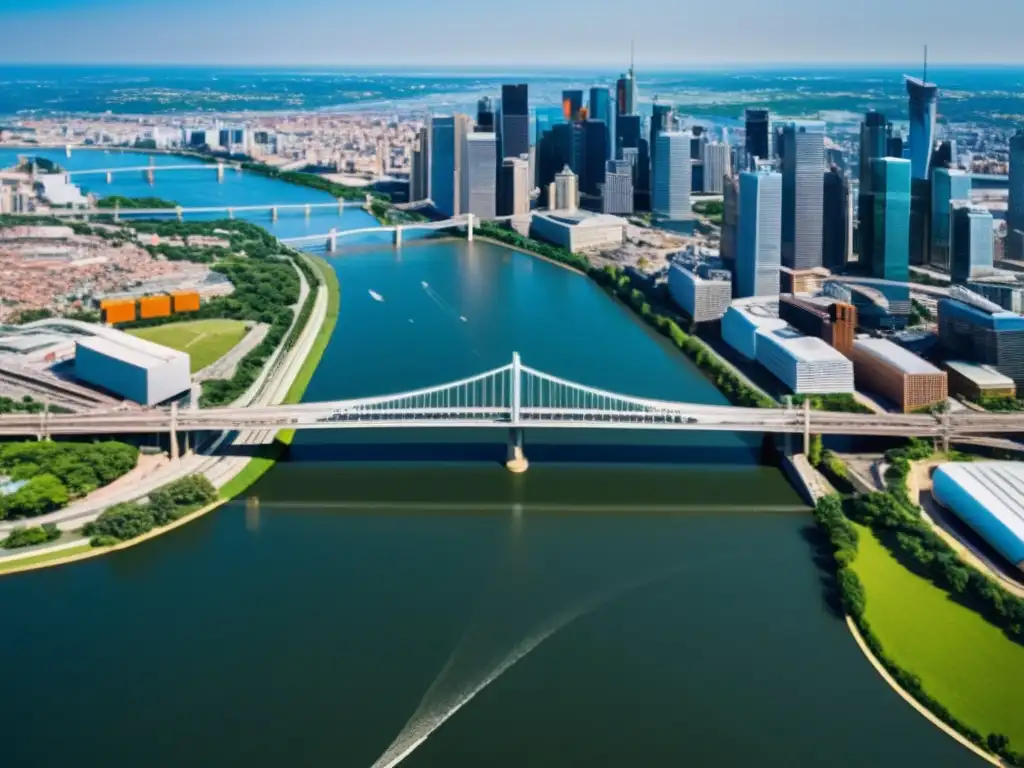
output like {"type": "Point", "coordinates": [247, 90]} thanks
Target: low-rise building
{"type": "Point", "coordinates": [904, 378]}
{"type": "Point", "coordinates": [975, 381]}
{"type": "Point", "coordinates": [703, 288]}
{"type": "Point", "coordinates": [579, 231]}
{"type": "Point", "coordinates": [803, 363]}
{"type": "Point", "coordinates": [744, 318]}
{"type": "Point", "coordinates": [132, 368]}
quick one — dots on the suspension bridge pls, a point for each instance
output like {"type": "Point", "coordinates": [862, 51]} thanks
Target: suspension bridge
{"type": "Point", "coordinates": [514, 397]}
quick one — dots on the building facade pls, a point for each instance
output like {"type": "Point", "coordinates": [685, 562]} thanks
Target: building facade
{"type": "Point", "coordinates": [703, 289]}
{"type": "Point", "coordinates": [806, 365]}
{"type": "Point", "coordinates": [1015, 207]}
{"type": "Point", "coordinates": [759, 241]}
{"type": "Point", "coordinates": [479, 183]}
{"type": "Point", "coordinates": [976, 330]}
{"type": "Point", "coordinates": [924, 98]}
{"type": "Point", "coordinates": [900, 376]}
{"type": "Point", "coordinates": [803, 163]}
{"type": "Point", "coordinates": [758, 133]}
{"type": "Point", "coordinates": [890, 180]}
{"type": "Point", "coordinates": [971, 242]}
{"type": "Point", "coordinates": [567, 190]}
{"type": "Point", "coordinates": [948, 185]}
{"type": "Point", "coordinates": [731, 219]}
{"type": "Point", "coordinates": [515, 121]}
{"type": "Point", "coordinates": [717, 166]}
{"type": "Point", "coordinates": [671, 193]}
{"type": "Point", "coordinates": [442, 165]}
{"type": "Point", "coordinates": [617, 194]}
{"type": "Point", "coordinates": [835, 226]}
{"type": "Point", "coordinates": [514, 187]}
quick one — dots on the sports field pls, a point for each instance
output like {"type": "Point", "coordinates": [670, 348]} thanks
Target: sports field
{"type": "Point", "coordinates": [964, 662]}
{"type": "Point", "coordinates": [206, 341]}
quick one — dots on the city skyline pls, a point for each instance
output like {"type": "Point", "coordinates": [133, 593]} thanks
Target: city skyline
{"type": "Point", "coordinates": [260, 32]}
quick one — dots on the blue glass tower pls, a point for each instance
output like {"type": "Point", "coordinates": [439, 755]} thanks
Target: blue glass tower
{"type": "Point", "coordinates": [947, 185]}
{"type": "Point", "coordinates": [442, 164]}
{"type": "Point", "coordinates": [595, 155]}
{"type": "Point", "coordinates": [890, 182]}
{"type": "Point", "coordinates": [759, 246]}
{"type": "Point", "coordinates": [601, 109]}
{"type": "Point", "coordinates": [924, 99]}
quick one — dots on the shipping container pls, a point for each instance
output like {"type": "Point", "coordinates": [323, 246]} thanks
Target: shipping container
{"type": "Point", "coordinates": [117, 310]}
{"type": "Point", "coordinates": [154, 306]}
{"type": "Point", "coordinates": [186, 301]}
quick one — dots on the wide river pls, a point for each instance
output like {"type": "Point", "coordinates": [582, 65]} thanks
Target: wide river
{"type": "Point", "coordinates": [630, 601]}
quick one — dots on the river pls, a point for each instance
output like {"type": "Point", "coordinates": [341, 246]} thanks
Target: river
{"type": "Point", "coordinates": [629, 601]}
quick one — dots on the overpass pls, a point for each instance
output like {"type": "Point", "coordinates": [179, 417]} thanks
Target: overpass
{"type": "Point", "coordinates": [513, 397]}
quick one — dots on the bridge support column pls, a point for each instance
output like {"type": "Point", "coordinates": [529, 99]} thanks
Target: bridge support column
{"type": "Point", "coordinates": [332, 241]}
{"type": "Point", "coordinates": [516, 460]}
{"type": "Point", "coordinates": [369, 200]}
{"type": "Point", "coordinates": [181, 213]}
{"type": "Point", "coordinates": [110, 177]}
{"type": "Point", "coordinates": [398, 237]}
{"type": "Point", "coordinates": [341, 206]}
{"type": "Point", "coordinates": [150, 175]}
{"type": "Point", "coordinates": [273, 213]}
{"type": "Point", "coordinates": [469, 227]}
{"type": "Point", "coordinates": [67, 150]}
{"type": "Point", "coordinates": [309, 210]}
{"type": "Point", "coordinates": [174, 432]}
{"type": "Point", "coordinates": [117, 213]}
{"type": "Point", "coordinates": [220, 172]}
{"type": "Point", "coordinates": [231, 214]}
{"type": "Point", "coordinates": [807, 427]}
{"type": "Point", "coordinates": [947, 429]}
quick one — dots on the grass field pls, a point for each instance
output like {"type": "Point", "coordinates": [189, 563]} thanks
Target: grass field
{"type": "Point", "coordinates": [963, 661]}
{"type": "Point", "coordinates": [206, 341]}
{"type": "Point", "coordinates": [46, 556]}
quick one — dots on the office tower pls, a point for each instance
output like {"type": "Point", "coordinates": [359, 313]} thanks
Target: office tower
{"type": "Point", "coordinates": [944, 155]}
{"type": "Point", "coordinates": [758, 124]}
{"type": "Point", "coordinates": [625, 90]}
{"type": "Point", "coordinates": [971, 242]}
{"type": "Point", "coordinates": [479, 185]}
{"type": "Point", "coordinates": [569, 145]}
{"type": "Point", "coordinates": [642, 185]}
{"type": "Point", "coordinates": [1015, 207]}
{"type": "Point", "coordinates": [661, 120]}
{"type": "Point", "coordinates": [617, 195]}
{"type": "Point", "coordinates": [890, 180]}
{"type": "Point", "coordinates": [547, 166]}
{"type": "Point", "coordinates": [419, 171]}
{"type": "Point", "coordinates": [567, 194]}
{"type": "Point", "coordinates": [759, 242]}
{"type": "Point", "coordinates": [485, 115]}
{"type": "Point", "coordinates": [702, 287]}
{"type": "Point", "coordinates": [977, 330]}
{"type": "Point", "coordinates": [515, 121]}
{"type": "Point", "coordinates": [572, 103]}
{"type": "Point", "coordinates": [717, 166]}
{"type": "Point", "coordinates": [948, 184]}
{"type": "Point", "coordinates": [924, 98]}
{"type": "Point", "coordinates": [671, 192]}
{"type": "Point", "coordinates": [442, 164]}
{"type": "Point", "coordinates": [894, 144]}
{"type": "Point", "coordinates": [874, 133]}
{"type": "Point", "coordinates": [730, 218]}
{"type": "Point", "coordinates": [628, 131]}
{"type": "Point", "coordinates": [595, 155]}
{"type": "Point", "coordinates": [601, 109]}
{"type": "Point", "coordinates": [803, 163]}
{"type": "Point", "coordinates": [514, 186]}
{"type": "Point", "coordinates": [836, 196]}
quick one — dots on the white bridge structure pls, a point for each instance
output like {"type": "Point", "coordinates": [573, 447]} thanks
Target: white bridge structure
{"type": "Point", "coordinates": [150, 171]}
{"type": "Point", "coordinates": [330, 239]}
{"type": "Point", "coordinates": [514, 397]}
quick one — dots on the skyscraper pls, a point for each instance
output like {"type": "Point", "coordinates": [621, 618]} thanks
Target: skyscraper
{"type": "Point", "coordinates": [971, 242]}
{"type": "Point", "coordinates": [625, 89]}
{"type": "Point", "coordinates": [515, 121]}
{"type": "Point", "coordinates": [566, 190]}
{"type": "Point", "coordinates": [617, 195]}
{"type": "Point", "coordinates": [874, 134]}
{"type": "Point", "coordinates": [514, 187]}
{"type": "Point", "coordinates": [671, 193]}
{"type": "Point", "coordinates": [757, 123]}
{"type": "Point", "coordinates": [572, 103]}
{"type": "Point", "coordinates": [479, 175]}
{"type": "Point", "coordinates": [803, 165]}
{"type": "Point", "coordinates": [759, 244]}
{"type": "Point", "coordinates": [924, 99]}
{"type": "Point", "coordinates": [419, 170]}
{"type": "Point", "coordinates": [948, 184]}
{"type": "Point", "coordinates": [601, 109]}
{"type": "Point", "coordinates": [485, 115]}
{"type": "Point", "coordinates": [890, 180]}
{"type": "Point", "coordinates": [1015, 208]}
{"type": "Point", "coordinates": [717, 166]}
{"type": "Point", "coordinates": [595, 155]}
{"type": "Point", "coordinates": [661, 120]}
{"type": "Point", "coordinates": [628, 129]}
{"type": "Point", "coordinates": [834, 219]}
{"type": "Point", "coordinates": [730, 218]}
{"type": "Point", "coordinates": [442, 164]}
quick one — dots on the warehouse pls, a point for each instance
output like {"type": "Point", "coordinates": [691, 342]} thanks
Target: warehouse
{"type": "Point", "coordinates": [743, 319]}
{"type": "Point", "coordinates": [132, 368]}
{"type": "Point", "coordinates": [904, 378]}
{"type": "Point", "coordinates": [805, 364]}
{"type": "Point", "coordinates": [989, 497]}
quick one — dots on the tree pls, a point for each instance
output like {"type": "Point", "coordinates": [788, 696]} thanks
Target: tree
{"type": "Point", "coordinates": [121, 521]}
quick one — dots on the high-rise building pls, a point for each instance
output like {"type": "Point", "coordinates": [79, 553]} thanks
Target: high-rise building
{"type": "Point", "coordinates": [890, 180]}
{"type": "Point", "coordinates": [479, 185]}
{"type": "Point", "coordinates": [702, 287]}
{"type": "Point", "coordinates": [628, 130]}
{"type": "Point", "coordinates": [485, 115]}
{"type": "Point", "coordinates": [419, 170]}
{"type": "Point", "coordinates": [661, 120]}
{"type": "Point", "coordinates": [924, 99]}
{"type": "Point", "coordinates": [546, 166]}
{"type": "Point", "coordinates": [625, 89]}
{"type": "Point", "coordinates": [617, 195]}
{"type": "Point", "coordinates": [730, 218]}
{"type": "Point", "coordinates": [971, 242]}
{"type": "Point", "coordinates": [567, 193]}
{"type": "Point", "coordinates": [874, 133]}
{"type": "Point", "coordinates": [803, 164]}
{"type": "Point", "coordinates": [717, 166]}
{"type": "Point", "coordinates": [759, 241]}
{"type": "Point", "coordinates": [948, 184]}
{"type": "Point", "coordinates": [1015, 208]}
{"type": "Point", "coordinates": [442, 164]}
{"type": "Point", "coordinates": [977, 330]}
{"type": "Point", "coordinates": [514, 186]}
{"type": "Point", "coordinates": [601, 109]}
{"type": "Point", "coordinates": [595, 154]}
{"type": "Point", "coordinates": [671, 191]}
{"type": "Point", "coordinates": [515, 121]}
{"type": "Point", "coordinates": [757, 123]}
{"type": "Point", "coordinates": [834, 228]}
{"type": "Point", "coordinates": [572, 103]}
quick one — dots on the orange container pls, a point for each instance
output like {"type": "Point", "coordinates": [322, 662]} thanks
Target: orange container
{"type": "Point", "coordinates": [185, 301]}
{"type": "Point", "coordinates": [117, 310]}
{"type": "Point", "coordinates": [154, 306]}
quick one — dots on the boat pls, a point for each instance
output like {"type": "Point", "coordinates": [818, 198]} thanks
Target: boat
{"type": "Point", "coordinates": [376, 296]}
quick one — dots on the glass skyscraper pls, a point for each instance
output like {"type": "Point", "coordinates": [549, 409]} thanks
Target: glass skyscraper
{"type": "Point", "coordinates": [572, 103]}
{"type": "Point", "coordinates": [671, 193]}
{"type": "Point", "coordinates": [948, 184]}
{"type": "Point", "coordinates": [924, 98]}
{"type": "Point", "coordinates": [479, 175]}
{"type": "Point", "coordinates": [515, 120]}
{"type": "Point", "coordinates": [661, 120]}
{"type": "Point", "coordinates": [835, 229]}
{"type": "Point", "coordinates": [971, 242]}
{"type": "Point", "coordinates": [485, 115]}
{"type": "Point", "coordinates": [442, 164]}
{"type": "Point", "coordinates": [1015, 208]}
{"type": "Point", "coordinates": [601, 109]}
{"type": "Point", "coordinates": [595, 155]}
{"type": "Point", "coordinates": [890, 180]}
{"type": "Point", "coordinates": [874, 140]}
{"type": "Point", "coordinates": [758, 127]}
{"type": "Point", "coordinates": [759, 240]}
{"type": "Point", "coordinates": [803, 181]}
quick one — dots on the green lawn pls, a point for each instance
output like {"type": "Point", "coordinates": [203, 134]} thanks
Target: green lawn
{"type": "Point", "coordinates": [206, 341]}
{"type": "Point", "coordinates": [963, 661]}
{"type": "Point", "coordinates": [23, 561]}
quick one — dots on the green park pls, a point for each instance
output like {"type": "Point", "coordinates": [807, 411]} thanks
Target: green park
{"type": "Point", "coordinates": [205, 341]}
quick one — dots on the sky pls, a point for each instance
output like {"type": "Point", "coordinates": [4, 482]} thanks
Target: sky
{"type": "Point", "coordinates": [534, 33]}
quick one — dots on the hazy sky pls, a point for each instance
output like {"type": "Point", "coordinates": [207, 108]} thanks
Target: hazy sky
{"type": "Point", "coordinates": [511, 32]}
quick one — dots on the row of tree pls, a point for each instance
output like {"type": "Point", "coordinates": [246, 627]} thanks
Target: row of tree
{"type": "Point", "coordinates": [21, 536]}
{"type": "Point", "coordinates": [145, 203]}
{"type": "Point", "coordinates": [123, 522]}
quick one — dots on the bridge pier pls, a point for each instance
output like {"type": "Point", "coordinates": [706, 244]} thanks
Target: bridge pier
{"type": "Point", "coordinates": [67, 150]}
{"type": "Point", "coordinates": [117, 213]}
{"type": "Point", "coordinates": [516, 460]}
{"type": "Point", "coordinates": [110, 177]}
{"type": "Point", "coordinates": [807, 427]}
{"type": "Point", "coordinates": [398, 237]}
{"type": "Point", "coordinates": [181, 213]}
{"type": "Point", "coordinates": [231, 214]}
{"type": "Point", "coordinates": [220, 172]}
{"type": "Point", "coordinates": [273, 213]}
{"type": "Point", "coordinates": [369, 200]}
{"type": "Point", "coordinates": [150, 175]}
{"type": "Point", "coordinates": [469, 227]}
{"type": "Point", "coordinates": [309, 210]}
{"type": "Point", "coordinates": [332, 241]}
{"type": "Point", "coordinates": [341, 206]}
{"type": "Point", "coordinates": [175, 454]}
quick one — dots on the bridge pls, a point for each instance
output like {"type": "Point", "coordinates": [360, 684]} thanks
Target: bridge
{"type": "Point", "coordinates": [149, 171]}
{"type": "Point", "coordinates": [331, 238]}
{"type": "Point", "coordinates": [513, 397]}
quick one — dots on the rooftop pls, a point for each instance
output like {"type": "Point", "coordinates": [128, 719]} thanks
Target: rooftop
{"type": "Point", "coordinates": [895, 355]}
{"type": "Point", "coordinates": [983, 375]}
{"type": "Point", "coordinates": [123, 346]}
{"type": "Point", "coordinates": [996, 485]}
{"type": "Point", "coordinates": [803, 348]}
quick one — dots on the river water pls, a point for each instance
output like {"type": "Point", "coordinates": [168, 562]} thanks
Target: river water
{"type": "Point", "coordinates": [629, 601]}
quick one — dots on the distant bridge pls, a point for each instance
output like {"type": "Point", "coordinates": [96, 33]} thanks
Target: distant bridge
{"type": "Point", "coordinates": [513, 397]}
{"type": "Point", "coordinates": [150, 171]}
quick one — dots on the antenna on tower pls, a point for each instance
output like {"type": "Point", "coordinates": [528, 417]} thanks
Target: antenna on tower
{"type": "Point", "coordinates": [924, 76]}
{"type": "Point", "coordinates": [631, 57]}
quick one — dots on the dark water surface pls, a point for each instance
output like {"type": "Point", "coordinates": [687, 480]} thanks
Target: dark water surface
{"type": "Point", "coordinates": [632, 600]}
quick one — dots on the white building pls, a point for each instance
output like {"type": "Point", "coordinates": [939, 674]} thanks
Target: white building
{"type": "Point", "coordinates": [717, 165]}
{"type": "Point", "coordinates": [759, 239]}
{"type": "Point", "coordinates": [567, 190]}
{"type": "Point", "coordinates": [672, 175]}
{"type": "Point", "coordinates": [702, 288]}
{"type": "Point", "coordinates": [579, 232]}
{"type": "Point", "coordinates": [805, 364]}
{"type": "Point", "coordinates": [744, 318]}
{"type": "Point", "coordinates": [132, 368]}
{"type": "Point", "coordinates": [479, 171]}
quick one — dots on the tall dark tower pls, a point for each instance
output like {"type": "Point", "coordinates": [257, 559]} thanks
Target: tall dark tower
{"type": "Point", "coordinates": [484, 116]}
{"type": "Point", "coordinates": [515, 121]}
{"type": "Point", "coordinates": [757, 124]}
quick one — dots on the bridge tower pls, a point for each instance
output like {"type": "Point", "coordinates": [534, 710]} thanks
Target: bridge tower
{"type": "Point", "coordinates": [67, 150]}
{"type": "Point", "coordinates": [469, 227]}
{"type": "Point", "coordinates": [332, 240]}
{"type": "Point", "coordinates": [110, 177]}
{"type": "Point", "coordinates": [231, 214]}
{"type": "Point", "coordinates": [398, 237]}
{"type": "Point", "coordinates": [516, 461]}
{"type": "Point", "coordinates": [117, 213]}
{"type": "Point", "coordinates": [273, 214]}
{"type": "Point", "coordinates": [220, 172]}
{"type": "Point", "coordinates": [309, 210]}
{"type": "Point", "coordinates": [807, 426]}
